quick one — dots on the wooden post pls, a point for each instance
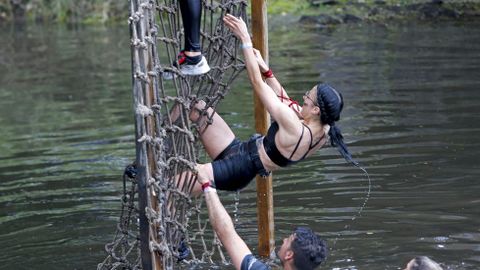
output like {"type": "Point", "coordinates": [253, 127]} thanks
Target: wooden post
{"type": "Point", "coordinates": [266, 240]}
{"type": "Point", "coordinates": [146, 168]}
{"type": "Point", "coordinates": [145, 159]}
{"type": "Point", "coordinates": [151, 127]}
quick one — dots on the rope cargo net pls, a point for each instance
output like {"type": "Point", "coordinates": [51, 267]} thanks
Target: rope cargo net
{"type": "Point", "coordinates": [154, 202]}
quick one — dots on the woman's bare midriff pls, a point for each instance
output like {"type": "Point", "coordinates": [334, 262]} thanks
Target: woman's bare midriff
{"type": "Point", "coordinates": [270, 166]}
{"type": "Point", "coordinates": [266, 161]}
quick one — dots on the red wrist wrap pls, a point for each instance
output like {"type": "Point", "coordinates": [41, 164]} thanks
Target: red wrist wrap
{"type": "Point", "coordinates": [205, 185]}
{"type": "Point", "coordinates": [268, 74]}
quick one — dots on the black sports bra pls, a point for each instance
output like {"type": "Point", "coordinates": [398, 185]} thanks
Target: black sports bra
{"type": "Point", "coordinates": [273, 152]}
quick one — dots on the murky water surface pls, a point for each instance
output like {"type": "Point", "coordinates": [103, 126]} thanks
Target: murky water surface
{"type": "Point", "coordinates": [412, 117]}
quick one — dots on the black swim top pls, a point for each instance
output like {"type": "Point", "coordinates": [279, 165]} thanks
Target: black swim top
{"type": "Point", "coordinates": [273, 152]}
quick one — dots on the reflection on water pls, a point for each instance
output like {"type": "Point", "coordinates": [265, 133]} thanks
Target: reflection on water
{"type": "Point", "coordinates": [411, 118]}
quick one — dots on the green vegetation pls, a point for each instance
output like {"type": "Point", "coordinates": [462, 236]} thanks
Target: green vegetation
{"type": "Point", "coordinates": [360, 8]}
{"type": "Point", "coordinates": [63, 11]}
{"type": "Point", "coordinates": [107, 11]}
{"type": "Point", "coordinates": [286, 6]}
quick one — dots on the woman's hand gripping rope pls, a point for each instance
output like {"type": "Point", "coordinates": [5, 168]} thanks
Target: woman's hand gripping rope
{"type": "Point", "coordinates": [238, 27]}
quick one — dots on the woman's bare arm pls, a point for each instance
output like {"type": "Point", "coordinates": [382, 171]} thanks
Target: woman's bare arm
{"type": "Point", "coordinates": [276, 86]}
{"type": "Point", "coordinates": [277, 109]}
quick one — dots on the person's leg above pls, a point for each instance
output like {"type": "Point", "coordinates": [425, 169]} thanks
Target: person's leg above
{"type": "Point", "coordinates": [191, 16]}
{"type": "Point", "coordinates": [193, 62]}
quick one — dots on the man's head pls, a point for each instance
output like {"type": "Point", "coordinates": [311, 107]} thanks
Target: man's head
{"type": "Point", "coordinates": [303, 249]}
{"type": "Point", "coordinates": [422, 263]}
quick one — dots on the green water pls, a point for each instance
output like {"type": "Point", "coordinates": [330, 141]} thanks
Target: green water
{"type": "Point", "coordinates": [411, 117]}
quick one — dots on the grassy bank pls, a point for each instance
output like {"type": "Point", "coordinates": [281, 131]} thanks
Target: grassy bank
{"type": "Point", "coordinates": [64, 11]}
{"type": "Point", "coordinates": [111, 11]}
{"type": "Point", "coordinates": [383, 11]}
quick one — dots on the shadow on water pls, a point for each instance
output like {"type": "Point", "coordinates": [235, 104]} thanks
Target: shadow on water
{"type": "Point", "coordinates": [411, 118]}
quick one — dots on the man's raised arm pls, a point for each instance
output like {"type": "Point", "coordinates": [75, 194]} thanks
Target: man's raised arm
{"type": "Point", "coordinates": [223, 225]}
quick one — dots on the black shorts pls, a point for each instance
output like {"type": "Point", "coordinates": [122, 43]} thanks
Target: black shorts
{"type": "Point", "coordinates": [251, 263]}
{"type": "Point", "coordinates": [237, 165]}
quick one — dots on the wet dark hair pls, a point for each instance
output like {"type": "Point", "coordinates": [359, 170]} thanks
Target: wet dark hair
{"type": "Point", "coordinates": [330, 102]}
{"type": "Point", "coordinates": [309, 250]}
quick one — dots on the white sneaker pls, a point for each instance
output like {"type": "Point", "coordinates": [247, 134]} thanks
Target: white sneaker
{"type": "Point", "coordinates": [200, 68]}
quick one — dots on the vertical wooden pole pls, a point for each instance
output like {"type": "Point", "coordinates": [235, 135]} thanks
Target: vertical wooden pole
{"type": "Point", "coordinates": [151, 127]}
{"type": "Point", "coordinates": [142, 204]}
{"type": "Point", "coordinates": [266, 240]}
{"type": "Point", "coordinates": [146, 168]}
{"type": "Point", "coordinates": [138, 59]}
{"type": "Point", "coordinates": [145, 158]}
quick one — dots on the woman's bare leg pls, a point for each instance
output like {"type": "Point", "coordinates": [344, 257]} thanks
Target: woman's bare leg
{"type": "Point", "coordinates": [216, 136]}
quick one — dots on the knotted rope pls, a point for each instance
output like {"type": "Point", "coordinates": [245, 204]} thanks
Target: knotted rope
{"type": "Point", "coordinates": [165, 134]}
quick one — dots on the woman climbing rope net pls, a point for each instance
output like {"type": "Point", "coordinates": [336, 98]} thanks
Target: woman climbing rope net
{"type": "Point", "coordinates": [296, 133]}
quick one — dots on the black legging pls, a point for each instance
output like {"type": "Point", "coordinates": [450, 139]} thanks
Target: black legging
{"type": "Point", "coordinates": [191, 16]}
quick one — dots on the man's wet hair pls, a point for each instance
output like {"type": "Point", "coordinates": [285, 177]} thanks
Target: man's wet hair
{"type": "Point", "coordinates": [309, 250]}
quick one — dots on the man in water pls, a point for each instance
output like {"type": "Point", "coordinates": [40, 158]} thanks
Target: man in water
{"type": "Point", "coordinates": [422, 263]}
{"type": "Point", "coordinates": [302, 250]}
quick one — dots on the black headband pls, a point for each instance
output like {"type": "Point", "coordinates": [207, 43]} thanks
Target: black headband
{"type": "Point", "coordinates": [326, 117]}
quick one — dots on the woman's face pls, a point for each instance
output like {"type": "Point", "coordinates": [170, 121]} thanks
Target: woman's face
{"type": "Point", "coordinates": [309, 102]}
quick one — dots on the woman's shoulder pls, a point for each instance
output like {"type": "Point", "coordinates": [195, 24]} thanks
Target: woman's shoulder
{"type": "Point", "coordinates": [326, 129]}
